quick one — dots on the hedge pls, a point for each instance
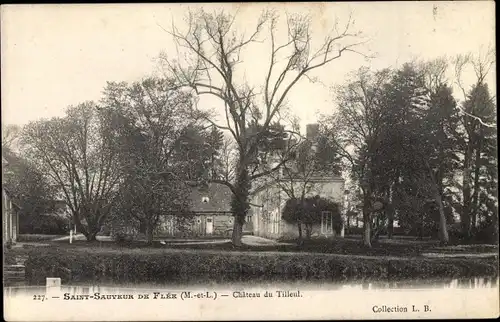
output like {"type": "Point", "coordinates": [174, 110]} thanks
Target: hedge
{"type": "Point", "coordinates": [43, 224]}
{"type": "Point", "coordinates": [188, 266]}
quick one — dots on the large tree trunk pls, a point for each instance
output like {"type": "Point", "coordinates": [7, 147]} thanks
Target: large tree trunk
{"type": "Point", "coordinates": [473, 220]}
{"type": "Point", "coordinates": [90, 232]}
{"type": "Point", "coordinates": [239, 203]}
{"type": "Point", "coordinates": [77, 224]}
{"type": "Point", "coordinates": [390, 223]}
{"type": "Point", "coordinates": [475, 197]}
{"type": "Point", "coordinates": [149, 232]}
{"type": "Point", "coordinates": [95, 220]}
{"type": "Point", "coordinates": [443, 229]}
{"type": "Point", "coordinates": [92, 237]}
{"type": "Point", "coordinates": [390, 215]}
{"type": "Point", "coordinates": [299, 227]}
{"type": "Point", "coordinates": [421, 230]}
{"type": "Point", "coordinates": [367, 222]}
{"type": "Point", "coordinates": [466, 194]}
{"type": "Point", "coordinates": [494, 222]}
{"type": "Point", "coordinates": [308, 231]}
{"type": "Point", "coordinates": [142, 226]}
{"type": "Point", "coordinates": [367, 230]}
{"type": "Point", "coordinates": [237, 231]}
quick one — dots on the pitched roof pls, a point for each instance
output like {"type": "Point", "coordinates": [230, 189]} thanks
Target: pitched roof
{"type": "Point", "coordinates": [213, 197]}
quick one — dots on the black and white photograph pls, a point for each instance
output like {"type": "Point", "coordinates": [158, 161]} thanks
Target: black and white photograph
{"type": "Point", "coordinates": [249, 161]}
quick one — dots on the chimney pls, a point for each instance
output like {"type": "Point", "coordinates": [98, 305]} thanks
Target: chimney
{"type": "Point", "coordinates": [312, 131]}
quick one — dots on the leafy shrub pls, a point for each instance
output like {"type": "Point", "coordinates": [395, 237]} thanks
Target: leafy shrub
{"type": "Point", "coordinates": [105, 231]}
{"type": "Point", "coordinates": [8, 244]}
{"type": "Point", "coordinates": [309, 212]}
{"type": "Point", "coordinates": [9, 257]}
{"type": "Point", "coordinates": [43, 225]}
{"type": "Point", "coordinates": [354, 231]}
{"type": "Point", "coordinates": [122, 237]}
{"type": "Point", "coordinates": [123, 230]}
{"type": "Point", "coordinates": [487, 233]}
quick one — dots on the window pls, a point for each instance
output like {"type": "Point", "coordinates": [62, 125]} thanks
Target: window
{"type": "Point", "coordinates": [326, 222]}
{"type": "Point", "coordinates": [205, 199]}
{"type": "Point", "coordinates": [275, 223]}
{"type": "Point", "coordinates": [249, 219]}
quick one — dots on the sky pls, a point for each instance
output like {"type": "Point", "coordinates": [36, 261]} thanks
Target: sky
{"type": "Point", "coordinates": [53, 56]}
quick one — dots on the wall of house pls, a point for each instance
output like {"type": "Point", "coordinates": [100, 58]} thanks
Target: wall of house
{"type": "Point", "coordinates": [172, 226]}
{"type": "Point", "coordinates": [332, 189]}
{"type": "Point", "coordinates": [223, 225]}
{"type": "Point", "coordinates": [5, 217]}
{"type": "Point", "coordinates": [9, 220]}
{"type": "Point", "coordinates": [15, 226]}
{"type": "Point", "coordinates": [267, 220]}
{"type": "Point", "coordinates": [197, 226]}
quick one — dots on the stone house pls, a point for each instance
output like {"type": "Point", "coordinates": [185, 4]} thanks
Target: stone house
{"type": "Point", "coordinates": [266, 218]}
{"type": "Point", "coordinates": [270, 200]}
{"type": "Point", "coordinates": [208, 215]}
{"type": "Point", "coordinates": [10, 213]}
{"type": "Point", "coordinates": [10, 218]}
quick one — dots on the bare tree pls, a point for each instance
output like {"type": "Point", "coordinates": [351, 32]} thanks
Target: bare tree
{"type": "Point", "coordinates": [10, 136]}
{"type": "Point", "coordinates": [213, 49]}
{"type": "Point", "coordinates": [355, 130]}
{"type": "Point", "coordinates": [478, 120]}
{"type": "Point", "coordinates": [481, 65]}
{"type": "Point", "coordinates": [433, 72]}
{"type": "Point", "coordinates": [228, 159]}
{"type": "Point", "coordinates": [78, 154]}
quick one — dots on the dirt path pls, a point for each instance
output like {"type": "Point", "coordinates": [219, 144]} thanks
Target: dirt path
{"type": "Point", "coordinates": [247, 240]}
{"type": "Point", "coordinates": [459, 255]}
{"type": "Point", "coordinates": [82, 237]}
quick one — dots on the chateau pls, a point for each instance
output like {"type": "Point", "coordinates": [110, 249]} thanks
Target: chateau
{"type": "Point", "coordinates": [269, 201]}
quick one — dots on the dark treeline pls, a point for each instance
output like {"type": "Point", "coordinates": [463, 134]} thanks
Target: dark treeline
{"type": "Point", "coordinates": [411, 145]}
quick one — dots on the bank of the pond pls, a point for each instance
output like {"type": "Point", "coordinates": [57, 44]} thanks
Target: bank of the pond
{"type": "Point", "coordinates": [123, 265]}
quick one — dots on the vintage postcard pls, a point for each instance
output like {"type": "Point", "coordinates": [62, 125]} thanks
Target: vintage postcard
{"type": "Point", "coordinates": [249, 161]}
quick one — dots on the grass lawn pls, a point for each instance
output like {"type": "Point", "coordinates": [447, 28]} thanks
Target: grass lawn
{"type": "Point", "coordinates": [329, 246]}
{"type": "Point", "coordinates": [343, 246]}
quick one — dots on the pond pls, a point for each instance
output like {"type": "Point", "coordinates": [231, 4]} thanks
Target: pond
{"type": "Point", "coordinates": [414, 299]}
{"type": "Point", "coordinates": [402, 284]}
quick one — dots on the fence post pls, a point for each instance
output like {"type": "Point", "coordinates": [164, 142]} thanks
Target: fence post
{"type": "Point", "coordinates": [53, 285]}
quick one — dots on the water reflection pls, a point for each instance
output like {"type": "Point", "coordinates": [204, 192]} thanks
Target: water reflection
{"type": "Point", "coordinates": [462, 283]}
{"type": "Point", "coordinates": [456, 283]}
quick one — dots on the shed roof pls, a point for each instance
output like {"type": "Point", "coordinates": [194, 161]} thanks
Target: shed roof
{"type": "Point", "coordinates": [213, 197]}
